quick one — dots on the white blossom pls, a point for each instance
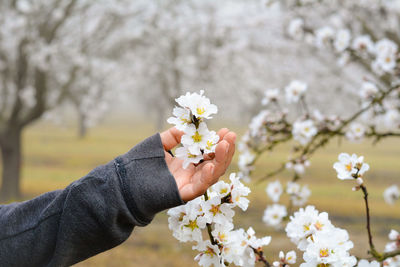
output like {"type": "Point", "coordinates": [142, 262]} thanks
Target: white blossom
{"type": "Point", "coordinates": [304, 224]}
{"type": "Point", "coordinates": [187, 157]}
{"type": "Point", "coordinates": [274, 214]}
{"type": "Point", "coordinates": [363, 44]}
{"type": "Point", "coordinates": [368, 90]}
{"type": "Point", "coordinates": [274, 190]}
{"type": "Point", "coordinates": [324, 36]}
{"type": "Point", "coordinates": [299, 167]}
{"type": "Point", "coordinates": [355, 132]}
{"type": "Point", "coordinates": [208, 255]}
{"type": "Point", "coordinates": [365, 263]}
{"type": "Point", "coordinates": [217, 212]}
{"type": "Point", "coordinates": [182, 118]}
{"type": "Point", "coordinates": [239, 192]}
{"type": "Point", "coordinates": [391, 194]}
{"type": "Point", "coordinates": [395, 237]}
{"type": "Point", "coordinates": [295, 90]}
{"type": "Point", "coordinates": [329, 249]}
{"type": "Point", "coordinates": [270, 95]}
{"type": "Point", "coordinates": [198, 104]}
{"type": "Point", "coordinates": [295, 28]}
{"type": "Point", "coordinates": [303, 131]}
{"type": "Point", "coordinates": [342, 40]}
{"type": "Point", "coordinates": [348, 166]}
{"type": "Point", "coordinates": [285, 260]}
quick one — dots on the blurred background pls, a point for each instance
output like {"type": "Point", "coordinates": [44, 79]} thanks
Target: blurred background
{"type": "Point", "coordinates": [83, 81]}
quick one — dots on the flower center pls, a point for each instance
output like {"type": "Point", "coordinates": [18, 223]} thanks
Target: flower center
{"type": "Point", "coordinates": [209, 252]}
{"type": "Point", "coordinates": [209, 145]}
{"type": "Point", "coordinates": [222, 237]}
{"type": "Point", "coordinates": [200, 111]}
{"type": "Point", "coordinates": [223, 190]}
{"type": "Point", "coordinates": [214, 209]}
{"type": "Point", "coordinates": [318, 225]}
{"type": "Point", "coordinates": [184, 120]}
{"type": "Point", "coordinates": [323, 253]}
{"type": "Point", "coordinates": [306, 227]}
{"type": "Point", "coordinates": [192, 225]}
{"type": "Point", "coordinates": [349, 167]}
{"type": "Point", "coordinates": [197, 137]}
{"type": "Point", "coordinates": [191, 156]}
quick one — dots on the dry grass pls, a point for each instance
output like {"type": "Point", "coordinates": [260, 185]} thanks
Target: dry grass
{"type": "Point", "coordinates": [54, 157]}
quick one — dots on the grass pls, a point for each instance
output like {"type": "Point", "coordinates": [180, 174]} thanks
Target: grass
{"type": "Point", "coordinates": [55, 157]}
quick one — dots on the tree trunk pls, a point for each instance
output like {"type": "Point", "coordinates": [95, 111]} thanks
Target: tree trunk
{"type": "Point", "coordinates": [82, 125]}
{"type": "Point", "coordinates": [11, 165]}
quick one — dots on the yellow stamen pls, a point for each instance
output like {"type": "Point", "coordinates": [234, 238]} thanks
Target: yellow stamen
{"type": "Point", "coordinates": [318, 225]}
{"type": "Point", "coordinates": [191, 156]}
{"type": "Point", "coordinates": [200, 111]}
{"type": "Point", "coordinates": [323, 253]}
{"type": "Point", "coordinates": [209, 145]}
{"type": "Point", "coordinates": [306, 227]}
{"type": "Point", "coordinates": [349, 167]}
{"type": "Point", "coordinates": [214, 209]}
{"type": "Point", "coordinates": [192, 225]}
{"type": "Point", "coordinates": [197, 137]}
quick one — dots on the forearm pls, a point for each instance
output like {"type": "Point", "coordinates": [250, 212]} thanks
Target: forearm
{"type": "Point", "coordinates": [92, 214]}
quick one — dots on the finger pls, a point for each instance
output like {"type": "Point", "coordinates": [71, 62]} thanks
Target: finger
{"type": "Point", "coordinates": [202, 180]}
{"type": "Point", "coordinates": [222, 132]}
{"type": "Point", "coordinates": [219, 157]}
{"type": "Point", "coordinates": [231, 138]}
{"type": "Point", "coordinates": [171, 138]}
{"type": "Point", "coordinates": [221, 152]}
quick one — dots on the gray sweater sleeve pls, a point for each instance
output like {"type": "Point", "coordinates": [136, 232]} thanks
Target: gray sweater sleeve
{"type": "Point", "coordinates": [91, 215]}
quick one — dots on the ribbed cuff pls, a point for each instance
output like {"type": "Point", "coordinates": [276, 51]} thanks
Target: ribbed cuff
{"type": "Point", "coordinates": [147, 184]}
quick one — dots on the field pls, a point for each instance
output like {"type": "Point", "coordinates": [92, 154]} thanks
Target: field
{"type": "Point", "coordinates": [54, 157]}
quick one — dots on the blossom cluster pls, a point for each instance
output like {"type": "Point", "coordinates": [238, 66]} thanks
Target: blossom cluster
{"type": "Point", "coordinates": [214, 213]}
{"type": "Point", "coordinates": [382, 55]}
{"type": "Point", "coordinates": [190, 118]}
{"type": "Point", "coordinates": [393, 245]}
{"type": "Point", "coordinates": [323, 244]}
{"type": "Point", "coordinates": [275, 213]}
{"type": "Point", "coordinates": [384, 51]}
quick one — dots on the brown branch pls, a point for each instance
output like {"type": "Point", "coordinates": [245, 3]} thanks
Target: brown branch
{"type": "Point", "coordinates": [370, 242]}
{"type": "Point", "coordinates": [260, 257]}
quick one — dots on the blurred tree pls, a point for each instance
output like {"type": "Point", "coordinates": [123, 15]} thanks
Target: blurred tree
{"type": "Point", "coordinates": [51, 52]}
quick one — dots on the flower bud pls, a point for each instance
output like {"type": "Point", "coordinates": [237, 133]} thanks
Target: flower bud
{"type": "Point", "coordinates": [359, 181]}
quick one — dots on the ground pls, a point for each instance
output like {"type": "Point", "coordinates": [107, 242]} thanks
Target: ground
{"type": "Point", "coordinates": [54, 157]}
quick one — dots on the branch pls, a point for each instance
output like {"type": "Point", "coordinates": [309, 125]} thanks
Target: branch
{"type": "Point", "coordinates": [370, 242]}
{"type": "Point", "coordinates": [260, 257]}
{"type": "Point", "coordinates": [51, 33]}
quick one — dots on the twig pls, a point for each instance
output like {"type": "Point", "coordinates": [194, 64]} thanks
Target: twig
{"type": "Point", "coordinates": [261, 257]}
{"type": "Point", "coordinates": [371, 244]}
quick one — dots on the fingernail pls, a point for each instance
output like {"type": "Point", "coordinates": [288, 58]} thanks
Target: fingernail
{"type": "Point", "coordinates": [212, 169]}
{"type": "Point", "coordinates": [227, 149]}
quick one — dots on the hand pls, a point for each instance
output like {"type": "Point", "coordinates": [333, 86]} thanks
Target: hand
{"type": "Point", "coordinates": [195, 180]}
